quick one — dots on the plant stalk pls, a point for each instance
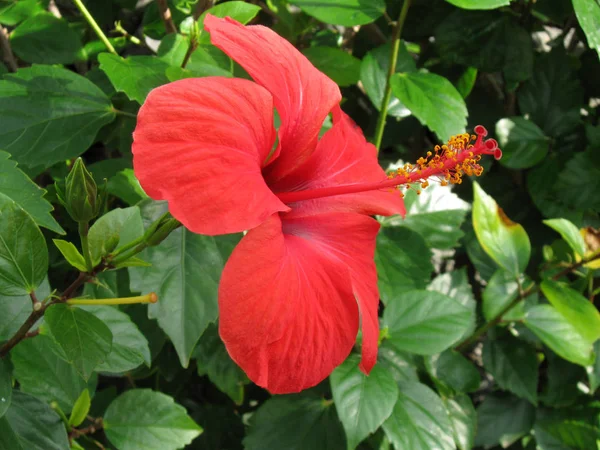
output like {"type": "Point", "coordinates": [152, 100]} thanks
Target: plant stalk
{"type": "Point", "coordinates": [95, 26]}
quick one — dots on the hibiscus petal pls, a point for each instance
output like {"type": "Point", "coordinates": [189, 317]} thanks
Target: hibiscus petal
{"type": "Point", "coordinates": [343, 157]}
{"type": "Point", "coordinates": [288, 298]}
{"type": "Point", "coordinates": [200, 144]}
{"type": "Point", "coordinates": [302, 95]}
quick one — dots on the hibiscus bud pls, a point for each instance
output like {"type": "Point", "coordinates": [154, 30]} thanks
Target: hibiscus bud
{"type": "Point", "coordinates": [80, 197]}
{"type": "Point", "coordinates": [156, 234]}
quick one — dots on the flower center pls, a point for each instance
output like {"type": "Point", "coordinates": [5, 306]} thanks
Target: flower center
{"type": "Point", "coordinates": [448, 163]}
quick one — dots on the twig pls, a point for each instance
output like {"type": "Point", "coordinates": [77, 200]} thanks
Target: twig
{"type": "Point", "coordinates": [92, 22]}
{"type": "Point", "coordinates": [202, 6]}
{"type": "Point", "coordinates": [391, 70]}
{"type": "Point", "coordinates": [165, 15]}
{"type": "Point", "coordinates": [8, 54]}
{"type": "Point", "coordinates": [522, 296]}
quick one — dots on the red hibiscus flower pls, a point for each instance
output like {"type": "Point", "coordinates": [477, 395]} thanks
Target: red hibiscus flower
{"type": "Point", "coordinates": [302, 281]}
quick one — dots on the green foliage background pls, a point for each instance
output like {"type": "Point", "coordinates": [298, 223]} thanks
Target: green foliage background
{"type": "Point", "coordinates": [489, 328]}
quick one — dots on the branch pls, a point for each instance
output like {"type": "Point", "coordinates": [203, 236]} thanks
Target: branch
{"type": "Point", "coordinates": [8, 54]}
{"type": "Point", "coordinates": [165, 15]}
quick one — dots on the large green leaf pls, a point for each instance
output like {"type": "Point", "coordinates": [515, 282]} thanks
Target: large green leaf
{"type": "Point", "coordinates": [135, 75]}
{"type": "Point", "coordinates": [363, 402]}
{"type": "Point", "coordinates": [523, 143]}
{"type": "Point", "coordinates": [479, 4]}
{"type": "Point", "coordinates": [42, 372]}
{"type": "Point", "coordinates": [567, 428]}
{"type": "Point", "coordinates": [452, 371]}
{"type": "Point", "coordinates": [403, 262]}
{"type": "Point", "coordinates": [299, 422]}
{"type": "Point", "coordinates": [505, 241]}
{"type": "Point", "coordinates": [575, 308]}
{"type": "Point", "coordinates": [342, 12]}
{"type": "Point", "coordinates": [373, 76]}
{"type": "Point", "coordinates": [433, 100]}
{"type": "Point", "coordinates": [513, 364]}
{"type": "Point", "coordinates": [14, 310]}
{"type": "Point", "coordinates": [576, 184]}
{"type": "Point", "coordinates": [23, 251]}
{"type": "Point", "coordinates": [425, 322]}
{"type": "Point", "coordinates": [341, 67]}
{"type": "Point", "coordinates": [503, 420]}
{"type": "Point", "coordinates": [85, 340]}
{"type": "Point", "coordinates": [129, 346]}
{"type": "Point", "coordinates": [501, 290]}
{"type": "Point", "coordinates": [18, 186]}
{"type": "Point", "coordinates": [419, 420]}
{"type": "Point", "coordinates": [588, 14]}
{"type": "Point", "coordinates": [570, 233]}
{"type": "Point", "coordinates": [402, 365]}
{"type": "Point", "coordinates": [185, 273]}
{"type": "Point", "coordinates": [46, 39]}
{"type": "Point", "coordinates": [141, 419]}
{"type": "Point", "coordinates": [463, 419]}
{"type": "Point", "coordinates": [557, 333]}
{"type": "Point", "coordinates": [30, 424]}
{"type": "Point", "coordinates": [50, 114]}
{"type": "Point", "coordinates": [212, 359]}
{"type": "Point", "coordinates": [553, 96]}
{"type": "Point", "coordinates": [12, 13]}
{"type": "Point", "coordinates": [5, 387]}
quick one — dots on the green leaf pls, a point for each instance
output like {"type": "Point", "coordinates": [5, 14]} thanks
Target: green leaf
{"type": "Point", "coordinates": [452, 370]}
{"type": "Point", "coordinates": [141, 419]}
{"type": "Point", "coordinates": [373, 76]}
{"type": "Point", "coordinates": [185, 273]}
{"type": "Point", "coordinates": [575, 308]}
{"type": "Point", "coordinates": [5, 387]}
{"type": "Point", "coordinates": [513, 364]}
{"type": "Point", "coordinates": [402, 365]}
{"type": "Point", "coordinates": [212, 359]}
{"type": "Point", "coordinates": [558, 334]}
{"type": "Point", "coordinates": [567, 428]}
{"type": "Point", "coordinates": [563, 381]}
{"type": "Point", "coordinates": [433, 100]}
{"type": "Point", "coordinates": [14, 12]}
{"type": "Point", "coordinates": [594, 370]}
{"type": "Point", "coordinates": [479, 4]}
{"type": "Point", "coordinates": [85, 339]}
{"type": "Point", "coordinates": [42, 372]}
{"type": "Point", "coordinates": [419, 420]}
{"type": "Point", "coordinates": [114, 230]}
{"type": "Point", "coordinates": [295, 422]}
{"type": "Point", "coordinates": [50, 114]}
{"type": "Point", "coordinates": [466, 82]}
{"type": "Point", "coordinates": [553, 96]}
{"type": "Point", "coordinates": [23, 251]}
{"type": "Point", "coordinates": [135, 75]}
{"type": "Point", "coordinates": [576, 184]}
{"type": "Point", "coordinates": [569, 232]}
{"type": "Point", "coordinates": [505, 241]}
{"type": "Point", "coordinates": [14, 310]}
{"type": "Point", "coordinates": [71, 254]}
{"type": "Point", "coordinates": [403, 262]}
{"type": "Point", "coordinates": [436, 214]}
{"type": "Point", "coordinates": [80, 409]}
{"type": "Point", "coordinates": [238, 10]}
{"type": "Point", "coordinates": [463, 419]}
{"type": "Point", "coordinates": [588, 14]}
{"type": "Point", "coordinates": [456, 285]}
{"type": "Point", "coordinates": [129, 346]}
{"type": "Point", "coordinates": [425, 322]}
{"type": "Point", "coordinates": [500, 291]}
{"type": "Point", "coordinates": [30, 424]}
{"type": "Point", "coordinates": [341, 67]}
{"type": "Point", "coordinates": [45, 39]}
{"type": "Point", "coordinates": [503, 420]}
{"type": "Point", "coordinates": [363, 402]}
{"type": "Point", "coordinates": [19, 187]}
{"type": "Point", "coordinates": [342, 12]}
{"type": "Point", "coordinates": [522, 142]}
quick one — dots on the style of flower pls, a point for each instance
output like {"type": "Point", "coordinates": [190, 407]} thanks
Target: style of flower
{"type": "Point", "coordinates": [302, 281]}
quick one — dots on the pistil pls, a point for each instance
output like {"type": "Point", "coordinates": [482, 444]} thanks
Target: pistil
{"type": "Point", "coordinates": [449, 162]}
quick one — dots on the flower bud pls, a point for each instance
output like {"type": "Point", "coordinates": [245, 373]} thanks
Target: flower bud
{"type": "Point", "coordinates": [156, 235]}
{"type": "Point", "coordinates": [80, 196]}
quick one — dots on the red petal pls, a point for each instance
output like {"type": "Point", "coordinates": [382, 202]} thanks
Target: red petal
{"type": "Point", "coordinates": [302, 95]}
{"type": "Point", "coordinates": [343, 156]}
{"type": "Point", "coordinates": [287, 299]}
{"type": "Point", "coordinates": [200, 144]}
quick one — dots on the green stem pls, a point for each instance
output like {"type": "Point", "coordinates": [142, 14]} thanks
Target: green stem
{"type": "Point", "coordinates": [85, 248]}
{"type": "Point", "coordinates": [128, 254]}
{"type": "Point", "coordinates": [148, 298]}
{"type": "Point", "coordinates": [391, 70]}
{"type": "Point", "coordinates": [61, 414]}
{"type": "Point", "coordinates": [123, 113]}
{"type": "Point", "coordinates": [95, 26]}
